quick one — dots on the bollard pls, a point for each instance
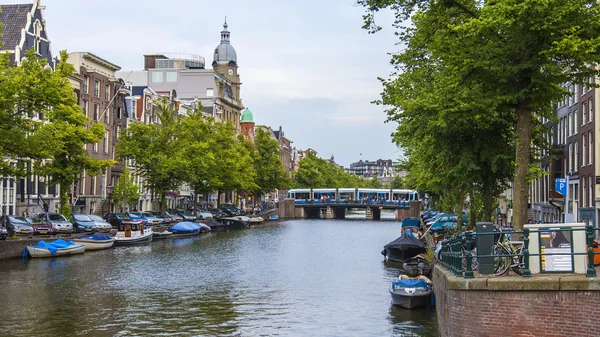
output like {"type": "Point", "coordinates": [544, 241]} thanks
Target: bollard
{"type": "Point", "coordinates": [591, 271]}
{"type": "Point", "coordinates": [526, 271]}
{"type": "Point", "coordinates": [469, 271]}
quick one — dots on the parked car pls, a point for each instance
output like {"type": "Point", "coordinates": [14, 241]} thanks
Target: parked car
{"type": "Point", "coordinates": [217, 213]}
{"type": "Point", "coordinates": [101, 225]}
{"type": "Point", "coordinates": [3, 233]}
{"type": "Point", "coordinates": [187, 216]}
{"type": "Point", "coordinates": [16, 225]}
{"type": "Point", "coordinates": [40, 227]}
{"type": "Point", "coordinates": [152, 219]}
{"type": "Point", "coordinates": [117, 220]}
{"type": "Point", "coordinates": [137, 216]}
{"type": "Point", "coordinates": [174, 216]}
{"type": "Point", "coordinates": [82, 223]}
{"type": "Point", "coordinates": [166, 219]}
{"type": "Point", "coordinates": [204, 214]}
{"type": "Point", "coordinates": [59, 223]}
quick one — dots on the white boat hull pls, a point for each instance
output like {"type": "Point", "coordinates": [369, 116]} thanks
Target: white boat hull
{"type": "Point", "coordinates": [43, 252]}
{"type": "Point", "coordinates": [96, 244]}
{"type": "Point", "coordinates": [121, 239]}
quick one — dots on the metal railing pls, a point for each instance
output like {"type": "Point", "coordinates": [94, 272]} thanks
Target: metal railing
{"type": "Point", "coordinates": [457, 251]}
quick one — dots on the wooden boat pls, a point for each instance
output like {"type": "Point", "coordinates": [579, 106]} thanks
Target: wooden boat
{"type": "Point", "coordinates": [96, 241]}
{"type": "Point", "coordinates": [256, 220]}
{"type": "Point", "coordinates": [417, 265]}
{"type": "Point", "coordinates": [56, 248]}
{"type": "Point", "coordinates": [411, 293]}
{"type": "Point", "coordinates": [185, 228]}
{"type": "Point", "coordinates": [132, 232]}
{"type": "Point", "coordinates": [404, 247]}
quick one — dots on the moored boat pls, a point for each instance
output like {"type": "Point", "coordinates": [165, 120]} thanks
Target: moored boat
{"type": "Point", "coordinates": [417, 265]}
{"type": "Point", "coordinates": [256, 220]}
{"type": "Point", "coordinates": [274, 217]}
{"type": "Point", "coordinates": [236, 222]}
{"type": "Point", "coordinates": [96, 241]}
{"type": "Point", "coordinates": [55, 248]}
{"type": "Point", "coordinates": [217, 226]}
{"type": "Point", "coordinates": [411, 293]}
{"type": "Point", "coordinates": [404, 247]}
{"type": "Point", "coordinates": [161, 235]}
{"type": "Point", "coordinates": [132, 232]}
{"type": "Point", "coordinates": [185, 228]}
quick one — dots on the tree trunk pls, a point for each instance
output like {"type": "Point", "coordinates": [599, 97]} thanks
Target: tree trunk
{"type": "Point", "coordinates": [461, 206]}
{"type": "Point", "coordinates": [524, 131]}
{"type": "Point", "coordinates": [218, 198]}
{"type": "Point", "coordinates": [472, 215]}
{"type": "Point", "coordinates": [488, 200]}
{"type": "Point", "coordinates": [195, 199]}
{"type": "Point", "coordinates": [163, 199]}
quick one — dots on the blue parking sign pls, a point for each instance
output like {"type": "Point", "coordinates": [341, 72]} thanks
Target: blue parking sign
{"type": "Point", "coordinates": [560, 186]}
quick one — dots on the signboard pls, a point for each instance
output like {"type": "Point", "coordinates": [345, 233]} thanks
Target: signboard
{"type": "Point", "coordinates": [560, 186]}
{"type": "Point", "coordinates": [556, 241]}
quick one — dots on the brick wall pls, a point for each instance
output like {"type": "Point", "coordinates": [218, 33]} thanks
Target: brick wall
{"type": "Point", "coordinates": [515, 313]}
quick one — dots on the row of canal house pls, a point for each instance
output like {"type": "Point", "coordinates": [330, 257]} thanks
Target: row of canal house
{"type": "Point", "coordinates": [572, 139]}
{"type": "Point", "coordinates": [117, 98]}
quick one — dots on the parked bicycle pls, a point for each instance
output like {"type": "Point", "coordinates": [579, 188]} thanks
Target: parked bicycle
{"type": "Point", "coordinates": [507, 254]}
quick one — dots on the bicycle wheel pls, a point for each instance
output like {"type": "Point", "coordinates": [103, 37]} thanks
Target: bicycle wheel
{"type": "Point", "coordinates": [517, 262]}
{"type": "Point", "coordinates": [474, 263]}
{"type": "Point", "coordinates": [501, 261]}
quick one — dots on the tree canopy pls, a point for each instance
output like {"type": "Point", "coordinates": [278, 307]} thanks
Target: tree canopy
{"type": "Point", "coordinates": [474, 80]}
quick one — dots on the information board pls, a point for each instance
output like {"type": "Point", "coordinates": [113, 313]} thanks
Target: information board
{"type": "Point", "coordinates": [552, 242]}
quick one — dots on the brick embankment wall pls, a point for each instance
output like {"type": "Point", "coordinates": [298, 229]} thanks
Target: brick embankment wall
{"type": "Point", "coordinates": [542, 306]}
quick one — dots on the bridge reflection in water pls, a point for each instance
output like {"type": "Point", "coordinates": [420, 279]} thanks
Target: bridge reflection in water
{"type": "Point", "coordinates": [334, 202]}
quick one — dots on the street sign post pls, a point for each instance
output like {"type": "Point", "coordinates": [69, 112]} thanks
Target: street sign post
{"type": "Point", "coordinates": [560, 186]}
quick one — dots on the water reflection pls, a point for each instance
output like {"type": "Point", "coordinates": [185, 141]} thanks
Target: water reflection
{"type": "Point", "coordinates": [299, 278]}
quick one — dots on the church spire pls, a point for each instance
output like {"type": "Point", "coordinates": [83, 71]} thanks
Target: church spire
{"type": "Point", "coordinates": [225, 33]}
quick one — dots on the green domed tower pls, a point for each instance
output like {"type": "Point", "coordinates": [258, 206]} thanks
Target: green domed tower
{"type": "Point", "coordinates": [247, 124]}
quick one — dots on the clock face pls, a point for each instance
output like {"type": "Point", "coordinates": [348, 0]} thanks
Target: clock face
{"type": "Point", "coordinates": [230, 72]}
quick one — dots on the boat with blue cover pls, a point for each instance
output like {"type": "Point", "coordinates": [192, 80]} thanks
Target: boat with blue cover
{"type": "Point", "coordinates": [411, 293]}
{"type": "Point", "coordinates": [55, 248]}
{"type": "Point", "coordinates": [96, 241]}
{"type": "Point", "coordinates": [185, 228]}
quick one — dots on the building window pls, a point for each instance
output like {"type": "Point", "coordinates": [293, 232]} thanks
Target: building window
{"type": "Point", "coordinates": [171, 76]}
{"type": "Point", "coordinates": [106, 113]}
{"type": "Point", "coordinates": [85, 107]}
{"type": "Point", "coordinates": [591, 107]}
{"type": "Point", "coordinates": [591, 191]}
{"type": "Point", "coordinates": [157, 76]}
{"type": "Point", "coordinates": [95, 147]}
{"type": "Point", "coordinates": [584, 150]}
{"type": "Point", "coordinates": [570, 125]}
{"type": "Point", "coordinates": [105, 142]}
{"type": "Point", "coordinates": [575, 125]}
{"type": "Point", "coordinates": [576, 164]}
{"type": "Point", "coordinates": [591, 148]}
{"type": "Point", "coordinates": [86, 84]}
{"type": "Point", "coordinates": [210, 92]}
{"type": "Point", "coordinates": [107, 92]}
{"type": "Point", "coordinates": [583, 113]}
{"type": "Point", "coordinates": [93, 185]}
{"type": "Point", "coordinates": [570, 156]}
{"type": "Point", "coordinates": [97, 88]}
{"type": "Point", "coordinates": [96, 112]}
{"type": "Point", "coordinates": [584, 187]}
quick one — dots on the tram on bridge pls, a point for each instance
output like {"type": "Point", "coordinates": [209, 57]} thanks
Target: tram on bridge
{"type": "Point", "coordinates": [400, 197]}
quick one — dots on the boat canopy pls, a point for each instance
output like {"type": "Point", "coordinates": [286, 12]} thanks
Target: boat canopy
{"type": "Point", "coordinates": [410, 222]}
{"type": "Point", "coordinates": [97, 237]}
{"type": "Point", "coordinates": [54, 246]}
{"type": "Point", "coordinates": [410, 284]}
{"type": "Point", "coordinates": [185, 226]}
{"type": "Point", "coordinates": [405, 241]}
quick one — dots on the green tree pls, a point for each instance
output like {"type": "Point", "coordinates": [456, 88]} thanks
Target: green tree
{"type": "Point", "coordinates": [126, 192]}
{"type": "Point", "coordinates": [59, 142]}
{"type": "Point", "coordinates": [398, 183]}
{"type": "Point", "coordinates": [157, 150]}
{"type": "Point", "coordinates": [270, 173]}
{"type": "Point", "coordinates": [520, 52]}
{"type": "Point", "coordinates": [375, 183]}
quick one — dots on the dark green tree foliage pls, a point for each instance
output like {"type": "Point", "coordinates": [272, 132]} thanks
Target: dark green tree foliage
{"type": "Point", "coordinates": [157, 150]}
{"type": "Point", "coordinates": [270, 172]}
{"type": "Point", "coordinates": [126, 192]}
{"type": "Point", "coordinates": [479, 74]}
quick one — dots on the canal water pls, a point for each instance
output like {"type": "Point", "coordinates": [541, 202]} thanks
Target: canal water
{"type": "Point", "coordinates": [296, 278]}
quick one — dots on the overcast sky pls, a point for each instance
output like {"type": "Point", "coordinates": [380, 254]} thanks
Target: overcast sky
{"type": "Point", "coordinates": [305, 65]}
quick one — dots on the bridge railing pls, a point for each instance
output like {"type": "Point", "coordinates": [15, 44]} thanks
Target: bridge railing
{"type": "Point", "coordinates": [332, 201]}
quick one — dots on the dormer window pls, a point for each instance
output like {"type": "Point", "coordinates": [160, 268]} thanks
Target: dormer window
{"type": "Point", "coordinates": [37, 31]}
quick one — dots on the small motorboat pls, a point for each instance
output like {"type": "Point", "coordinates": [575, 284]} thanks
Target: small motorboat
{"type": "Point", "coordinates": [256, 220]}
{"type": "Point", "coordinates": [274, 217]}
{"type": "Point", "coordinates": [236, 222]}
{"type": "Point", "coordinates": [217, 226]}
{"type": "Point", "coordinates": [162, 235]}
{"type": "Point", "coordinates": [185, 228]}
{"type": "Point", "coordinates": [404, 247]}
{"type": "Point", "coordinates": [56, 248]}
{"type": "Point", "coordinates": [96, 241]}
{"type": "Point", "coordinates": [204, 228]}
{"type": "Point", "coordinates": [133, 232]}
{"type": "Point", "coordinates": [417, 265]}
{"type": "Point", "coordinates": [410, 292]}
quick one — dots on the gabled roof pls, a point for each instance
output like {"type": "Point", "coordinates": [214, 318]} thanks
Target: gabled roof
{"type": "Point", "coordinates": [14, 18]}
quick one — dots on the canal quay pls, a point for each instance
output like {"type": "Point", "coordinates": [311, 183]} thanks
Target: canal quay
{"type": "Point", "coordinates": [294, 278]}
